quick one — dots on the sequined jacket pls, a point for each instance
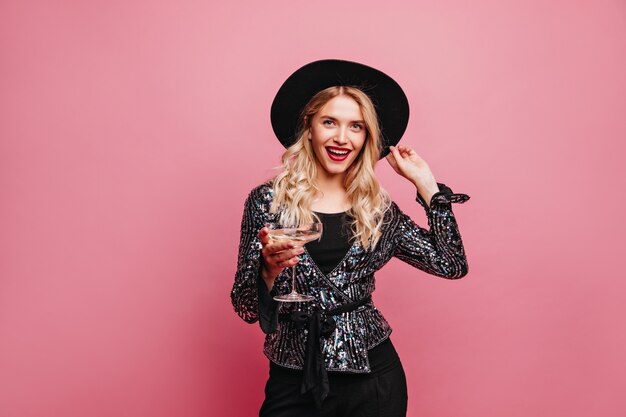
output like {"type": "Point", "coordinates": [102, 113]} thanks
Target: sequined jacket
{"type": "Point", "coordinates": [438, 251]}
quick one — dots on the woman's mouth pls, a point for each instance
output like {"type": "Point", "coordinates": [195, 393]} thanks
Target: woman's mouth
{"type": "Point", "coordinates": [337, 154]}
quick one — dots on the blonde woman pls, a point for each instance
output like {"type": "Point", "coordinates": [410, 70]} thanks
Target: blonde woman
{"type": "Point", "coordinates": [333, 356]}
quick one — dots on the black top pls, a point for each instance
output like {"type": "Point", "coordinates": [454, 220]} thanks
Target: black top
{"type": "Point", "coordinates": [327, 253]}
{"type": "Point", "coordinates": [335, 243]}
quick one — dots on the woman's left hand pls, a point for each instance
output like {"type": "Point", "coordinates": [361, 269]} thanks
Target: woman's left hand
{"type": "Point", "coordinates": [406, 162]}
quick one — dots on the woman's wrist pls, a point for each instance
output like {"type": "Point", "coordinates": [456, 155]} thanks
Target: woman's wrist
{"type": "Point", "coordinates": [427, 191]}
{"type": "Point", "coordinates": [268, 277]}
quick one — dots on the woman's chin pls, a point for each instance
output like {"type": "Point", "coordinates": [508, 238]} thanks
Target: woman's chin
{"type": "Point", "coordinates": [332, 171]}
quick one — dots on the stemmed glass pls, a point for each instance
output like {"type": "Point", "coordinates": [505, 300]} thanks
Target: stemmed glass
{"type": "Point", "coordinates": [298, 236]}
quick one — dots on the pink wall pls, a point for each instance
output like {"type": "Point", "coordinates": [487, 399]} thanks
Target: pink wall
{"type": "Point", "coordinates": [132, 131]}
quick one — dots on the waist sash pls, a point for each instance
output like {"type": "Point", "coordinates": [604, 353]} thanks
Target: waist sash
{"type": "Point", "coordinates": [318, 323]}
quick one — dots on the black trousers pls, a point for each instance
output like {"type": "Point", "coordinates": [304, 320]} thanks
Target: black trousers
{"type": "Point", "coordinates": [381, 393]}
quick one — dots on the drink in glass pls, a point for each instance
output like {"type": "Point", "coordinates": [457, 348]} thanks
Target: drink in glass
{"type": "Point", "coordinates": [298, 236]}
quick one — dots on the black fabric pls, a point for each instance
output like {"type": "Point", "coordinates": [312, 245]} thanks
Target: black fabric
{"type": "Point", "coordinates": [319, 323]}
{"type": "Point", "coordinates": [335, 242]}
{"type": "Point", "coordinates": [382, 359]}
{"type": "Point", "coordinates": [383, 392]}
{"type": "Point", "coordinates": [268, 307]}
{"type": "Point", "coordinates": [445, 195]}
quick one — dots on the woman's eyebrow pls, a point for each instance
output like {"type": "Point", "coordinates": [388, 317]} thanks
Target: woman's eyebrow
{"type": "Point", "coordinates": [334, 119]}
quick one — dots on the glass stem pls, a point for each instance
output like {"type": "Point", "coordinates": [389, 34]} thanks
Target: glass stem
{"type": "Point", "coordinates": [293, 280]}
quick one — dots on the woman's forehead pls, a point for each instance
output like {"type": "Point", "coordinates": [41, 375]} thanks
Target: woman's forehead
{"type": "Point", "coordinates": [341, 107]}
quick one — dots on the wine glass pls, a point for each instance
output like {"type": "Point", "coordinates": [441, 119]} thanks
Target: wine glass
{"type": "Point", "coordinates": [298, 235]}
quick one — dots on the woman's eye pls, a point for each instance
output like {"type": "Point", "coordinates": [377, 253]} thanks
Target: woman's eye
{"type": "Point", "coordinates": [357, 126]}
{"type": "Point", "coordinates": [327, 121]}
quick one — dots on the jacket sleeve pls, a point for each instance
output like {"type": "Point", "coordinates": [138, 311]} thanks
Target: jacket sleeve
{"type": "Point", "coordinates": [438, 251]}
{"type": "Point", "coordinates": [250, 297]}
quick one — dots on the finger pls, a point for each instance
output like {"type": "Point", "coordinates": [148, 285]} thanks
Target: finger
{"type": "Point", "coordinates": [410, 151]}
{"type": "Point", "coordinates": [276, 247]}
{"type": "Point", "coordinates": [405, 150]}
{"type": "Point", "coordinates": [392, 161]}
{"type": "Point", "coordinates": [396, 153]}
{"type": "Point", "coordinates": [288, 262]}
{"type": "Point", "coordinates": [287, 254]}
{"type": "Point", "coordinates": [264, 235]}
{"type": "Point", "coordinates": [282, 260]}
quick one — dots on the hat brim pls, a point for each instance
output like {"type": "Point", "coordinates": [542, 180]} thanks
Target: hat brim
{"type": "Point", "coordinates": [390, 102]}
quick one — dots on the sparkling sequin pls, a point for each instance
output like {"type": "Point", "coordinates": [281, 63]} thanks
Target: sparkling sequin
{"type": "Point", "coordinates": [438, 251]}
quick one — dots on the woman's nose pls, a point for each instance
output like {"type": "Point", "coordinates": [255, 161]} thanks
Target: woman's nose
{"type": "Point", "coordinates": [342, 137]}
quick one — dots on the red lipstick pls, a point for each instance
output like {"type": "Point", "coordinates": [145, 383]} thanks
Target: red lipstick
{"type": "Point", "coordinates": [337, 154]}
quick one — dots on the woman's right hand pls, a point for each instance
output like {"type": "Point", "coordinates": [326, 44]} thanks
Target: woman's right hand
{"type": "Point", "coordinates": [276, 256]}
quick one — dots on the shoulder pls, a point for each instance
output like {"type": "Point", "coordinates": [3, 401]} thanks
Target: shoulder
{"type": "Point", "coordinates": [260, 197]}
{"type": "Point", "coordinates": [392, 217]}
{"type": "Point", "coordinates": [395, 218]}
{"type": "Point", "coordinates": [262, 190]}
{"type": "Point", "coordinates": [392, 212]}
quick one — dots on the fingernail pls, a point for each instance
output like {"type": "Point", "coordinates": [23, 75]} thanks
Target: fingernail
{"type": "Point", "coordinates": [300, 250]}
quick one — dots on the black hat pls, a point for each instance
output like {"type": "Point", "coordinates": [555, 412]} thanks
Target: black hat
{"type": "Point", "coordinates": [389, 100]}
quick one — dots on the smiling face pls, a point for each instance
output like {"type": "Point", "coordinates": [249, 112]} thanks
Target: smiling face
{"type": "Point", "coordinates": [337, 134]}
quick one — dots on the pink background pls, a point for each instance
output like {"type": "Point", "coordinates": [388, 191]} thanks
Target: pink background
{"type": "Point", "coordinates": [132, 131]}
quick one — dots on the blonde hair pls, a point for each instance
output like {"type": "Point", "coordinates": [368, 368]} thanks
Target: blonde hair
{"type": "Point", "coordinates": [295, 188]}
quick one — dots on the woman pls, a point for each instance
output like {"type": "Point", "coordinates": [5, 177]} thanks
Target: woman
{"type": "Point", "coordinates": [333, 355]}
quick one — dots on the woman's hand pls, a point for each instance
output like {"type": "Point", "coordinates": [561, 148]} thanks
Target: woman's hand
{"type": "Point", "coordinates": [406, 162]}
{"type": "Point", "coordinates": [276, 256]}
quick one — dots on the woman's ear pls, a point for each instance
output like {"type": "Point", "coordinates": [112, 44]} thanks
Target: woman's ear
{"type": "Point", "coordinates": [306, 119]}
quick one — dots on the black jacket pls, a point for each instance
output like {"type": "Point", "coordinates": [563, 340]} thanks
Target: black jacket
{"type": "Point", "coordinates": [438, 251]}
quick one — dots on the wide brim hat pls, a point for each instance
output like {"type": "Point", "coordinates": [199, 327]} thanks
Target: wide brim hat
{"type": "Point", "coordinates": [390, 102]}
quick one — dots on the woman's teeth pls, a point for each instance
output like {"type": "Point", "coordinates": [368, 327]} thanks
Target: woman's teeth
{"type": "Point", "coordinates": [338, 154]}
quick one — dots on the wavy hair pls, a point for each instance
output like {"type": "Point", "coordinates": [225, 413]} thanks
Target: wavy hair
{"type": "Point", "coordinates": [295, 187]}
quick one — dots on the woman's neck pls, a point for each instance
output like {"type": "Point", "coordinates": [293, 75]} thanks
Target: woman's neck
{"type": "Point", "coordinates": [334, 198]}
{"type": "Point", "coordinates": [330, 183]}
